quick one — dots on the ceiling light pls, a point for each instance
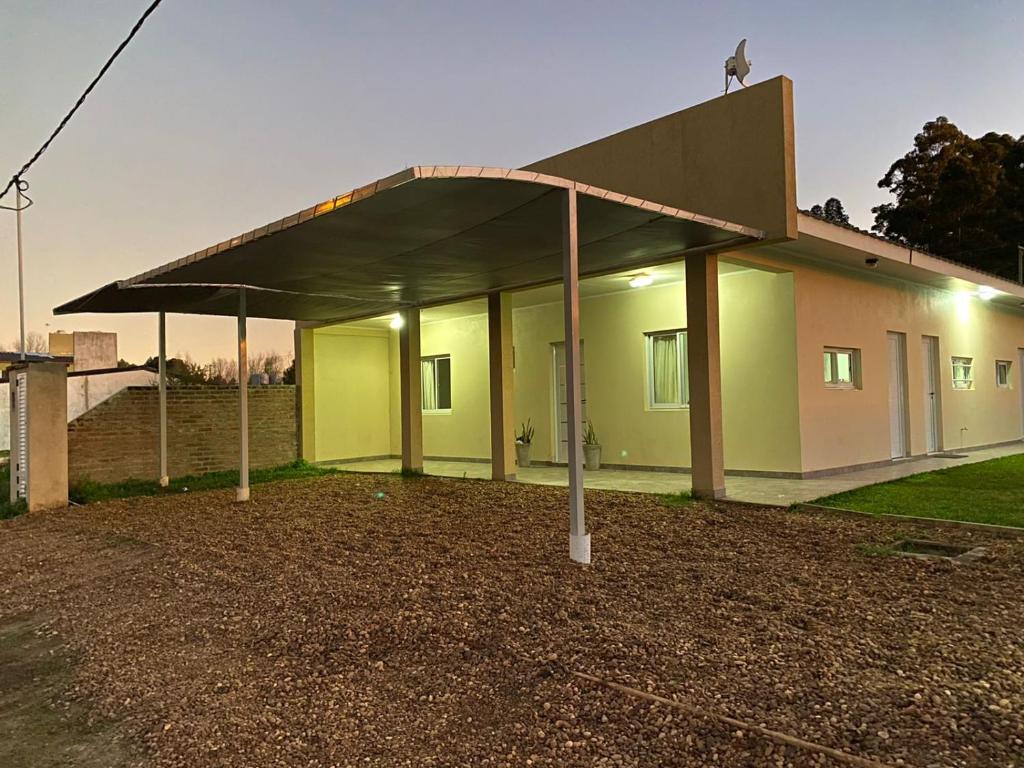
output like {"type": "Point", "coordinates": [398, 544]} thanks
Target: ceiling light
{"type": "Point", "coordinates": [640, 281]}
{"type": "Point", "coordinates": [397, 322]}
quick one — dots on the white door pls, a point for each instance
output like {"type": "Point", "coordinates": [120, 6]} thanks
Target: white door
{"type": "Point", "coordinates": [560, 398]}
{"type": "Point", "coordinates": [932, 396]}
{"type": "Point", "coordinates": [1020, 367]}
{"type": "Point", "coordinates": [898, 394]}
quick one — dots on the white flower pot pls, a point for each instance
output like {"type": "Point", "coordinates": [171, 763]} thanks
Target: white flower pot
{"type": "Point", "coordinates": [523, 454]}
{"type": "Point", "coordinates": [592, 456]}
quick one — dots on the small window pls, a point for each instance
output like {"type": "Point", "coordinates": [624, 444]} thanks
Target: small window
{"type": "Point", "coordinates": [842, 368]}
{"type": "Point", "coordinates": [1003, 373]}
{"type": "Point", "coordinates": [963, 373]}
{"type": "Point", "coordinates": [436, 383]}
{"type": "Point", "coordinates": [667, 383]}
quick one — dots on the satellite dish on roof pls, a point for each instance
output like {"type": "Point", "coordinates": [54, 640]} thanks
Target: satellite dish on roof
{"type": "Point", "coordinates": [737, 66]}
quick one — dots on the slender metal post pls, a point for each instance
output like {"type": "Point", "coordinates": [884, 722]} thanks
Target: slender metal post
{"type": "Point", "coordinates": [162, 366]}
{"type": "Point", "coordinates": [21, 264]}
{"type": "Point", "coordinates": [242, 492]}
{"type": "Point", "coordinates": [579, 539]}
{"type": "Point", "coordinates": [1020, 264]}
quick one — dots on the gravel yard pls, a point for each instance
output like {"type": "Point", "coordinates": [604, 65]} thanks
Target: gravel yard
{"type": "Point", "coordinates": [441, 625]}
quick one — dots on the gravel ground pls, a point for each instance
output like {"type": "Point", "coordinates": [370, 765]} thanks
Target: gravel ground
{"type": "Point", "coordinates": [441, 624]}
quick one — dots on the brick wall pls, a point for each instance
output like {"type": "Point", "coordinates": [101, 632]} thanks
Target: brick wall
{"type": "Point", "coordinates": [120, 438]}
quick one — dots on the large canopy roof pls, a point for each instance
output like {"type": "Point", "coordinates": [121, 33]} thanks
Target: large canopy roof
{"type": "Point", "coordinates": [426, 236]}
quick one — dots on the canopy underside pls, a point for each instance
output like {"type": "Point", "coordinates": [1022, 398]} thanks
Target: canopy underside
{"type": "Point", "coordinates": [426, 236]}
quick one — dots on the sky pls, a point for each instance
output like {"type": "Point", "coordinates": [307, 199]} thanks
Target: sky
{"type": "Point", "coordinates": [223, 115]}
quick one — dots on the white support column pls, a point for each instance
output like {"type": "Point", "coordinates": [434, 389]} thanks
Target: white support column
{"type": "Point", "coordinates": [499, 348]}
{"type": "Point", "coordinates": [162, 365]}
{"type": "Point", "coordinates": [579, 539]}
{"type": "Point", "coordinates": [412, 406]}
{"type": "Point", "coordinates": [705, 376]}
{"type": "Point", "coordinates": [242, 491]}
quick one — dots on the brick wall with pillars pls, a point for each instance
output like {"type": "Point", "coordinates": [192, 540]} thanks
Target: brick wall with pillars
{"type": "Point", "coordinates": [120, 438]}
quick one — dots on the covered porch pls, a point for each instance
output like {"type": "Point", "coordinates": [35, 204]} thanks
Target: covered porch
{"type": "Point", "coordinates": [434, 236]}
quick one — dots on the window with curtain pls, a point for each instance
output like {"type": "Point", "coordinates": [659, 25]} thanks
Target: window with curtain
{"type": "Point", "coordinates": [667, 385]}
{"type": "Point", "coordinates": [436, 383]}
{"type": "Point", "coordinates": [963, 373]}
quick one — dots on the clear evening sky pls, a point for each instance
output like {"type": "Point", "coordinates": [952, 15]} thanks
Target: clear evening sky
{"type": "Point", "coordinates": [224, 115]}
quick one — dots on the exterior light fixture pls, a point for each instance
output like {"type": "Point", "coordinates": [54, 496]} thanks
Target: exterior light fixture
{"type": "Point", "coordinates": [396, 321]}
{"type": "Point", "coordinates": [987, 293]}
{"type": "Point", "coordinates": [640, 281]}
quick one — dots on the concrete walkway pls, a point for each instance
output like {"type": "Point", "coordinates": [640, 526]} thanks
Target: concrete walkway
{"type": "Point", "coordinates": [759, 490]}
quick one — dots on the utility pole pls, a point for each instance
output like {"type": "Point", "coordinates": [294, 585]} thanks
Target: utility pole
{"type": "Point", "coordinates": [21, 264]}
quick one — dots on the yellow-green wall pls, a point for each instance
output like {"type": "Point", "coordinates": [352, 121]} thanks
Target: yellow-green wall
{"type": "Point", "coordinates": [759, 411]}
{"type": "Point", "coordinates": [356, 389]}
{"type": "Point", "coordinates": [351, 415]}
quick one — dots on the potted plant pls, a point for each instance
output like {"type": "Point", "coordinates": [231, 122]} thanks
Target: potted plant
{"type": "Point", "coordinates": [524, 437]}
{"type": "Point", "coordinates": [591, 448]}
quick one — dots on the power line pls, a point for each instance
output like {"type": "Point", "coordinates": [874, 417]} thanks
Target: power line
{"type": "Point", "coordinates": [81, 99]}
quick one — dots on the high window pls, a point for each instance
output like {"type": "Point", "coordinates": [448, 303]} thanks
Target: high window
{"type": "Point", "coordinates": [436, 383]}
{"type": "Point", "coordinates": [842, 367]}
{"type": "Point", "coordinates": [963, 373]}
{"type": "Point", "coordinates": [667, 383]}
{"type": "Point", "coordinates": [1003, 373]}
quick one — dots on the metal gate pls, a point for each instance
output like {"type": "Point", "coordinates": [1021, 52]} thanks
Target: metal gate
{"type": "Point", "coordinates": [19, 436]}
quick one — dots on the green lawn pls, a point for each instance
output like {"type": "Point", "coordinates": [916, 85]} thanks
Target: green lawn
{"type": "Point", "coordinates": [87, 492]}
{"type": "Point", "coordinates": [986, 492]}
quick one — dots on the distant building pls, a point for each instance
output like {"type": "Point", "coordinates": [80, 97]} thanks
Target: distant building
{"type": "Point", "coordinates": [89, 350]}
{"type": "Point", "coordinates": [8, 358]}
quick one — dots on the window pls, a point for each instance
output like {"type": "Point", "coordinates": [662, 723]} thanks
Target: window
{"type": "Point", "coordinates": [963, 373]}
{"type": "Point", "coordinates": [842, 368]}
{"type": "Point", "coordinates": [1003, 373]}
{"type": "Point", "coordinates": [436, 384]}
{"type": "Point", "coordinates": [667, 384]}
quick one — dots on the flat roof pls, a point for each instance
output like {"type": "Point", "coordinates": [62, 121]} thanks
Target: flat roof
{"type": "Point", "coordinates": [425, 236]}
{"type": "Point", "coordinates": [822, 241]}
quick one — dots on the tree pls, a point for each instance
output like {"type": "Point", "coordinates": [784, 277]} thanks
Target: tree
{"type": "Point", "coordinates": [832, 211]}
{"type": "Point", "coordinates": [35, 343]}
{"type": "Point", "coordinates": [958, 197]}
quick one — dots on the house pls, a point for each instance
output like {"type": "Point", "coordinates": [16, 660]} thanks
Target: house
{"type": "Point", "coordinates": [660, 283]}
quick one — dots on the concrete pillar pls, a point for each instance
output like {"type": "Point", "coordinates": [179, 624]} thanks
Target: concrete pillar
{"type": "Point", "coordinates": [705, 376]}
{"type": "Point", "coordinates": [300, 448]}
{"type": "Point", "coordinates": [39, 436]}
{"type": "Point", "coordinates": [162, 366]}
{"type": "Point", "coordinates": [499, 345]}
{"type": "Point", "coordinates": [411, 394]}
{"type": "Point", "coordinates": [242, 491]}
{"type": "Point", "coordinates": [579, 539]}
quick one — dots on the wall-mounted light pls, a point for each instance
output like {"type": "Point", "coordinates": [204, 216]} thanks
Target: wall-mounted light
{"type": "Point", "coordinates": [396, 321]}
{"type": "Point", "coordinates": [987, 293]}
{"type": "Point", "coordinates": [640, 281]}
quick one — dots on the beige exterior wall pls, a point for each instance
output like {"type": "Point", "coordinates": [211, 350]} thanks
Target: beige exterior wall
{"type": "Point", "coordinates": [732, 158]}
{"type": "Point", "coordinates": [840, 428]}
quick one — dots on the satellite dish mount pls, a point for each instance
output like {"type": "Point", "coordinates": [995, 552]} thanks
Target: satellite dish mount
{"type": "Point", "coordinates": [737, 66]}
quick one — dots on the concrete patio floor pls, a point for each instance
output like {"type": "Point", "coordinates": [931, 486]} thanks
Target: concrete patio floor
{"type": "Point", "coordinates": [758, 490]}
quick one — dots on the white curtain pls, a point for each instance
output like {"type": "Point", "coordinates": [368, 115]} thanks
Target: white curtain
{"type": "Point", "coordinates": [665, 354]}
{"type": "Point", "coordinates": [428, 385]}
